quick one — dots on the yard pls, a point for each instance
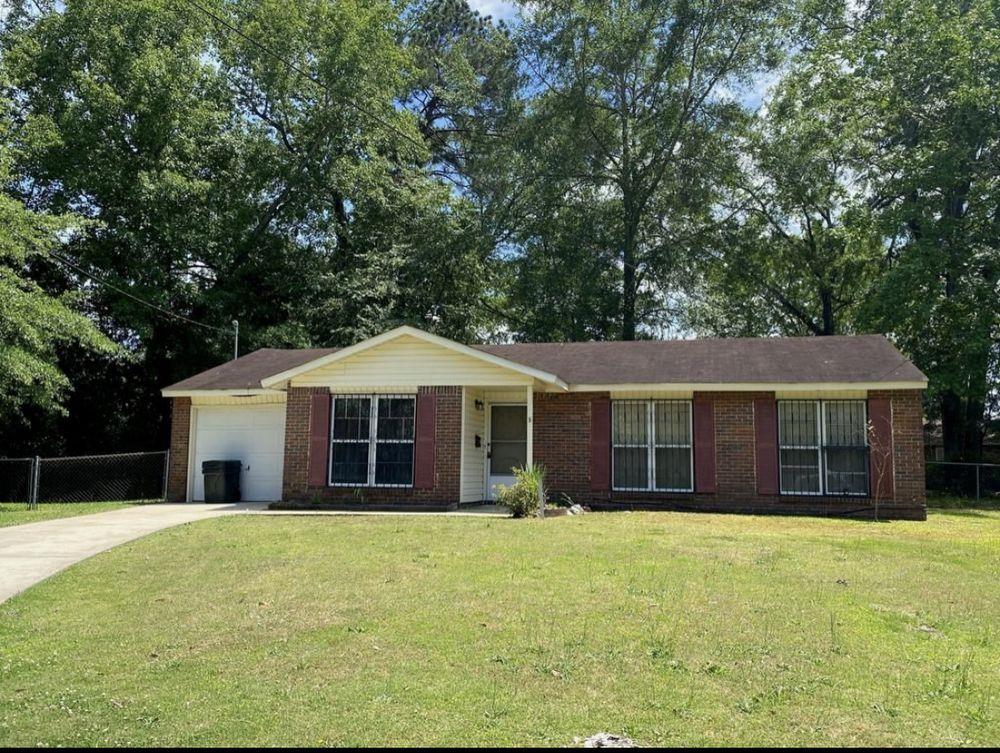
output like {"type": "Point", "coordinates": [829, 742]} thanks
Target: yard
{"type": "Point", "coordinates": [16, 513]}
{"type": "Point", "coordinates": [677, 629]}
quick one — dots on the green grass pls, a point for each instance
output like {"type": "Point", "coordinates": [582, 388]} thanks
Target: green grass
{"type": "Point", "coordinates": [16, 513]}
{"type": "Point", "coordinates": [676, 629]}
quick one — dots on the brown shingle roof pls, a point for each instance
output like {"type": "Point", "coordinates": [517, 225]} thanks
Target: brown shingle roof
{"type": "Point", "coordinates": [775, 360]}
{"type": "Point", "coordinates": [737, 360]}
{"type": "Point", "coordinates": [246, 371]}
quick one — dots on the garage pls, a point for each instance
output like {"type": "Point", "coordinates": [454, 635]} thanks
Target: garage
{"type": "Point", "coordinates": [253, 434]}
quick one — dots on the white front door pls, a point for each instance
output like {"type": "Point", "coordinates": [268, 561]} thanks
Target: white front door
{"type": "Point", "coordinates": [508, 445]}
{"type": "Point", "coordinates": [252, 434]}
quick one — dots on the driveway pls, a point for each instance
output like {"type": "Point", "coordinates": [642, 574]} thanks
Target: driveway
{"type": "Point", "coordinates": [34, 551]}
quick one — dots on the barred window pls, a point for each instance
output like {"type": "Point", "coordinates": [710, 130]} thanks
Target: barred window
{"type": "Point", "coordinates": [823, 447]}
{"type": "Point", "coordinates": [651, 445]}
{"type": "Point", "coordinates": [371, 440]}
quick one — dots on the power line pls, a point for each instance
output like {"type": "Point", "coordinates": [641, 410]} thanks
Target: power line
{"type": "Point", "coordinates": [104, 281]}
{"type": "Point", "coordinates": [304, 73]}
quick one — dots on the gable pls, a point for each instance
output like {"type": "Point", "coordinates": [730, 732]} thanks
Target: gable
{"type": "Point", "coordinates": [407, 361]}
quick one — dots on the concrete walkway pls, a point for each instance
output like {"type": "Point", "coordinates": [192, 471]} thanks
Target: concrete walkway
{"type": "Point", "coordinates": [31, 552]}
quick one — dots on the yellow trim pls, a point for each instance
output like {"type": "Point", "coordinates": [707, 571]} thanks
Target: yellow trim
{"type": "Point", "coordinates": [748, 386]}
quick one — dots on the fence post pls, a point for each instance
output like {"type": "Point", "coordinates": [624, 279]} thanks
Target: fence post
{"type": "Point", "coordinates": [977, 481]}
{"type": "Point", "coordinates": [166, 471]}
{"type": "Point", "coordinates": [36, 465]}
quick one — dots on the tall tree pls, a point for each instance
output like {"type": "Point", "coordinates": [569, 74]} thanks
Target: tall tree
{"type": "Point", "coordinates": [925, 81]}
{"type": "Point", "coordinates": [634, 97]}
{"type": "Point", "coordinates": [796, 251]}
{"type": "Point", "coordinates": [35, 322]}
{"type": "Point", "coordinates": [237, 159]}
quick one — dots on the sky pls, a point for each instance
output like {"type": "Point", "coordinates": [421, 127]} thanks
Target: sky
{"type": "Point", "coordinates": [496, 8]}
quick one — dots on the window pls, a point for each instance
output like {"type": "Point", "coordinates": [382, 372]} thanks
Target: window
{"type": "Point", "coordinates": [371, 440]}
{"type": "Point", "coordinates": [651, 445]}
{"type": "Point", "coordinates": [823, 447]}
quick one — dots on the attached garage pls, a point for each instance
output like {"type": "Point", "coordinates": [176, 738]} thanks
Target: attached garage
{"type": "Point", "coordinates": [253, 434]}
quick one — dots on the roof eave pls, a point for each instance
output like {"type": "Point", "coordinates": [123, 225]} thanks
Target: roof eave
{"type": "Point", "coordinates": [749, 386]}
{"type": "Point", "coordinates": [231, 392]}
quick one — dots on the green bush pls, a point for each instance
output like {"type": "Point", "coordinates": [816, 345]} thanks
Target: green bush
{"type": "Point", "coordinates": [522, 498]}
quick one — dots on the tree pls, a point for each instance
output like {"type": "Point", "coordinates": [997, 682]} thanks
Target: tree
{"type": "Point", "coordinates": [236, 159]}
{"type": "Point", "coordinates": [924, 80]}
{"type": "Point", "coordinates": [34, 322]}
{"type": "Point", "coordinates": [633, 101]}
{"type": "Point", "coordinates": [797, 251]}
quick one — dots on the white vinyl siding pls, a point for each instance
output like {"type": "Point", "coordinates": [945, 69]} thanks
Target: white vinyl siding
{"type": "Point", "coordinates": [408, 361]}
{"type": "Point", "coordinates": [473, 458]}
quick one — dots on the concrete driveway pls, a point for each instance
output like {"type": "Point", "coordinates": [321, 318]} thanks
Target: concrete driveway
{"type": "Point", "coordinates": [34, 551]}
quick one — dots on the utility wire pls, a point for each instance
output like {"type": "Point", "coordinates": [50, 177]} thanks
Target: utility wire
{"type": "Point", "coordinates": [104, 281]}
{"type": "Point", "coordinates": [304, 73]}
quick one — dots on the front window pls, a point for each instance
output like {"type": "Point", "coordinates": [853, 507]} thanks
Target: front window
{"type": "Point", "coordinates": [371, 440]}
{"type": "Point", "coordinates": [651, 445]}
{"type": "Point", "coordinates": [823, 447]}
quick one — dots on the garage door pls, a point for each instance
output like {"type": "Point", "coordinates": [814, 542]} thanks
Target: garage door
{"type": "Point", "coordinates": [254, 434]}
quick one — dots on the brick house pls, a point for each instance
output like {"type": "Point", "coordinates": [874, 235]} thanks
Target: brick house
{"type": "Point", "coordinates": [820, 425]}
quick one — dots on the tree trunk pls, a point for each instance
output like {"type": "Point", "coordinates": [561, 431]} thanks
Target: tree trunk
{"type": "Point", "coordinates": [829, 326]}
{"type": "Point", "coordinates": [629, 284]}
{"type": "Point", "coordinates": [952, 426]}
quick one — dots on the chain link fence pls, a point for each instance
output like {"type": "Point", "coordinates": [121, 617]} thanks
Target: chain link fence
{"type": "Point", "coordinates": [971, 480]}
{"type": "Point", "coordinates": [121, 477]}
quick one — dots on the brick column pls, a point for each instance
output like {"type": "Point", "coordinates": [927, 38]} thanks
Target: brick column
{"type": "Point", "coordinates": [907, 444]}
{"type": "Point", "coordinates": [297, 432]}
{"type": "Point", "coordinates": [735, 464]}
{"type": "Point", "coordinates": [180, 441]}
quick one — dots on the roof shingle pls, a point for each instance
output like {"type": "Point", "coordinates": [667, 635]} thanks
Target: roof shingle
{"type": "Point", "coordinates": [774, 360]}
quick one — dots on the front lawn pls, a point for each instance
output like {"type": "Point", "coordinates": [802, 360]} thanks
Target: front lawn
{"type": "Point", "coordinates": [16, 513]}
{"type": "Point", "coordinates": [677, 629]}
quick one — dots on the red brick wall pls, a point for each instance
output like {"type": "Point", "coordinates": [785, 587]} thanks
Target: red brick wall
{"type": "Point", "coordinates": [298, 408]}
{"type": "Point", "coordinates": [907, 444]}
{"type": "Point", "coordinates": [180, 438]}
{"type": "Point", "coordinates": [562, 442]}
{"type": "Point", "coordinates": [447, 452]}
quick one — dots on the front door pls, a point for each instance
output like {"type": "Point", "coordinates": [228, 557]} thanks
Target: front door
{"type": "Point", "coordinates": [508, 445]}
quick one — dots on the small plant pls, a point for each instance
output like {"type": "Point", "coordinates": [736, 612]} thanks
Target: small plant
{"type": "Point", "coordinates": [524, 496]}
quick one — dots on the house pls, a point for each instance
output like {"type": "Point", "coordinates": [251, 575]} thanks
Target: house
{"type": "Point", "coordinates": [813, 425]}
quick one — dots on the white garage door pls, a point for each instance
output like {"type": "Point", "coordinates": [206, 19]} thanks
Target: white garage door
{"type": "Point", "coordinates": [254, 434]}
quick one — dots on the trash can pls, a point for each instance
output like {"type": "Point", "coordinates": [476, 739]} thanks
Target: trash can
{"type": "Point", "coordinates": [222, 480]}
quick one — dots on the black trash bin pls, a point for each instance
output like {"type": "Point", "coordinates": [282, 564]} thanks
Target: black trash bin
{"type": "Point", "coordinates": [222, 480]}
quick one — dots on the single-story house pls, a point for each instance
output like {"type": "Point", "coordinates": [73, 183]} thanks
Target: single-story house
{"type": "Point", "coordinates": [810, 425]}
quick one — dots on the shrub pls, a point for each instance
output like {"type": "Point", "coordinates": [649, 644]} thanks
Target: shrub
{"type": "Point", "coordinates": [522, 498]}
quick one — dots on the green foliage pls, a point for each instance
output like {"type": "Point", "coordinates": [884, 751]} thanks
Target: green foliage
{"type": "Point", "coordinates": [796, 251]}
{"type": "Point", "coordinates": [34, 322]}
{"type": "Point", "coordinates": [630, 123]}
{"type": "Point", "coordinates": [522, 498]}
{"type": "Point", "coordinates": [221, 184]}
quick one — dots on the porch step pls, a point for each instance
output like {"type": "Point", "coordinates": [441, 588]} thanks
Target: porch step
{"type": "Point", "coordinates": [366, 506]}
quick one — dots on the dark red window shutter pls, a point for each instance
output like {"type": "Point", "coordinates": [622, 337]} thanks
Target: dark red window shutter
{"type": "Point", "coordinates": [319, 440]}
{"type": "Point", "coordinates": [423, 447]}
{"type": "Point", "coordinates": [600, 444]}
{"type": "Point", "coordinates": [704, 445]}
{"type": "Point", "coordinates": [765, 429]}
{"type": "Point", "coordinates": [881, 482]}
